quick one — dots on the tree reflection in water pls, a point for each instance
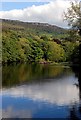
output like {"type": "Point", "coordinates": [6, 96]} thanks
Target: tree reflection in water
{"type": "Point", "coordinates": [75, 113]}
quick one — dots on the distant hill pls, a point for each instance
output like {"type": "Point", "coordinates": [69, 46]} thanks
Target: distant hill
{"type": "Point", "coordinates": [32, 26]}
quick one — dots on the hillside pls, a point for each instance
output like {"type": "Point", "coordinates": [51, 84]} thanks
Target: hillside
{"type": "Point", "coordinates": [35, 27]}
{"type": "Point", "coordinates": [34, 42]}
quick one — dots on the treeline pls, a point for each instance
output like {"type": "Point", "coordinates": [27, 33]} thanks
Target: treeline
{"type": "Point", "coordinates": [21, 46]}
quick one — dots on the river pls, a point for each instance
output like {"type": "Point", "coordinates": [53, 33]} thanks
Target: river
{"type": "Point", "coordinates": [40, 91]}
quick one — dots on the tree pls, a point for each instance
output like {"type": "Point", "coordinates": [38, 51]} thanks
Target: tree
{"type": "Point", "coordinates": [73, 35]}
{"type": "Point", "coordinates": [75, 55]}
{"type": "Point", "coordinates": [69, 49]}
{"type": "Point", "coordinates": [36, 52]}
{"type": "Point", "coordinates": [73, 16]}
{"type": "Point", "coordinates": [56, 52]}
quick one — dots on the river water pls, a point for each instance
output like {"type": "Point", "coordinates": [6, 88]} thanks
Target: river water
{"type": "Point", "coordinates": [40, 91]}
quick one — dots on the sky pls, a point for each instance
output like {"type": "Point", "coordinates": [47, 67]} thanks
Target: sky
{"type": "Point", "coordinates": [40, 11]}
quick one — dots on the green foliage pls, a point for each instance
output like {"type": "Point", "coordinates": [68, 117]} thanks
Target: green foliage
{"type": "Point", "coordinates": [75, 57]}
{"type": "Point", "coordinates": [9, 49]}
{"type": "Point", "coordinates": [16, 48]}
{"type": "Point", "coordinates": [44, 37]}
{"type": "Point", "coordinates": [45, 48]}
{"type": "Point", "coordinates": [28, 45]}
{"type": "Point", "coordinates": [56, 52]}
{"type": "Point", "coordinates": [36, 52]}
{"type": "Point", "coordinates": [0, 47]}
{"type": "Point", "coordinates": [73, 36]}
{"type": "Point", "coordinates": [73, 17]}
{"type": "Point", "coordinates": [69, 49]}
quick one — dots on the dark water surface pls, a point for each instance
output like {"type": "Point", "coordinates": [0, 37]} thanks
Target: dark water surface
{"type": "Point", "coordinates": [40, 91]}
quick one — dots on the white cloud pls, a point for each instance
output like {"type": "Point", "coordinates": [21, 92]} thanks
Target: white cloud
{"type": "Point", "coordinates": [51, 13]}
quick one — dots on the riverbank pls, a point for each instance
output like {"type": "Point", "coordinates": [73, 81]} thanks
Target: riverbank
{"type": "Point", "coordinates": [43, 63]}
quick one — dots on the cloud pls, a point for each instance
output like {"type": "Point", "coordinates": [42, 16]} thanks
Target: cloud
{"type": "Point", "coordinates": [51, 13]}
{"type": "Point", "coordinates": [51, 92]}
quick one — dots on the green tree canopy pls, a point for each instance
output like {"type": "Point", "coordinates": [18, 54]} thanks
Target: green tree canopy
{"type": "Point", "coordinates": [73, 15]}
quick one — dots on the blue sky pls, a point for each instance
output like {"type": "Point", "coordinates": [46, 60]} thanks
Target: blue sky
{"type": "Point", "coordinates": [19, 5]}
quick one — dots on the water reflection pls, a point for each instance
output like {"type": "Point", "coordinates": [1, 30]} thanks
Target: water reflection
{"type": "Point", "coordinates": [61, 91]}
{"type": "Point", "coordinates": [11, 113]}
{"type": "Point", "coordinates": [24, 73]}
{"type": "Point", "coordinates": [0, 76]}
{"type": "Point", "coordinates": [75, 111]}
{"type": "Point", "coordinates": [40, 91]}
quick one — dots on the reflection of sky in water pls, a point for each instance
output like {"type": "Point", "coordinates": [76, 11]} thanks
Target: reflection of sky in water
{"type": "Point", "coordinates": [26, 108]}
{"type": "Point", "coordinates": [57, 91]}
{"type": "Point", "coordinates": [45, 99]}
{"type": "Point", "coordinates": [0, 105]}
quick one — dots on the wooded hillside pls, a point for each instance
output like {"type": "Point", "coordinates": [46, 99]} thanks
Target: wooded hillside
{"type": "Point", "coordinates": [35, 42]}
